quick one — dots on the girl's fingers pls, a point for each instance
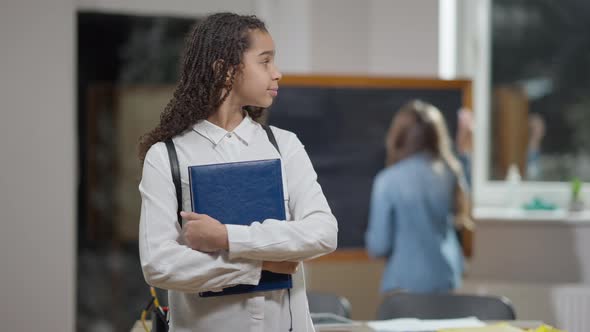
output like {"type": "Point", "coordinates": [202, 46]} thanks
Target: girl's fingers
{"type": "Point", "coordinates": [190, 215]}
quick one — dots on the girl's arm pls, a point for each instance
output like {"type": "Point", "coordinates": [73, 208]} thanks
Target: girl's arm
{"type": "Point", "coordinates": [168, 263]}
{"type": "Point", "coordinates": [311, 233]}
{"type": "Point", "coordinates": [379, 235]}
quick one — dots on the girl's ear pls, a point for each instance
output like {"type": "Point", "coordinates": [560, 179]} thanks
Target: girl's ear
{"type": "Point", "coordinates": [218, 67]}
{"type": "Point", "coordinates": [228, 75]}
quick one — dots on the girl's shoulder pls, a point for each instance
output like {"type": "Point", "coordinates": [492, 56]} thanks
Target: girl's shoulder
{"type": "Point", "coordinates": [154, 153]}
{"type": "Point", "coordinates": [388, 174]}
{"type": "Point", "coordinates": [282, 133]}
{"type": "Point", "coordinates": [287, 140]}
{"type": "Point", "coordinates": [401, 171]}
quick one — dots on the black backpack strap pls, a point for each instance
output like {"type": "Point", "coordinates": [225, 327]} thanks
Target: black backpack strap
{"type": "Point", "coordinates": [175, 169]}
{"type": "Point", "coordinates": [271, 137]}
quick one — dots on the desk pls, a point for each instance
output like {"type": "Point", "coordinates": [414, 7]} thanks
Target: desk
{"type": "Point", "coordinates": [332, 328]}
{"type": "Point", "coordinates": [362, 327]}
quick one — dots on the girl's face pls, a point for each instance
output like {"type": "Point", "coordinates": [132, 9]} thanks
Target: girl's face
{"type": "Point", "coordinates": [258, 83]}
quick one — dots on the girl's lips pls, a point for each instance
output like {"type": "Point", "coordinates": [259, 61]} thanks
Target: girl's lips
{"type": "Point", "coordinates": [273, 92]}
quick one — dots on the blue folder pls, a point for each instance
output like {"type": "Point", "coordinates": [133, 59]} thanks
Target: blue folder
{"type": "Point", "coordinates": [240, 193]}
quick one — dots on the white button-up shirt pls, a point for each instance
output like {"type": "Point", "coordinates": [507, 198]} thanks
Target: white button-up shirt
{"type": "Point", "coordinates": [310, 231]}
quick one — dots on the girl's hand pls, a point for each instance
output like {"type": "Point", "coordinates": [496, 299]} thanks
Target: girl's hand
{"type": "Point", "coordinates": [280, 267]}
{"type": "Point", "coordinates": [203, 233]}
{"type": "Point", "coordinates": [464, 137]}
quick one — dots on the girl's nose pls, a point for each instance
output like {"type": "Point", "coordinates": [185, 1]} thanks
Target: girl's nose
{"type": "Point", "coordinates": [277, 74]}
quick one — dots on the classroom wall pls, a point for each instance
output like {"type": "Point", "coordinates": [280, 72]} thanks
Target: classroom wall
{"type": "Point", "coordinates": [38, 167]}
{"type": "Point", "coordinates": [339, 39]}
{"type": "Point", "coordinates": [378, 37]}
{"type": "Point", "coordinates": [290, 25]}
{"type": "Point", "coordinates": [169, 7]}
{"type": "Point", "coordinates": [359, 281]}
{"type": "Point", "coordinates": [38, 142]}
{"type": "Point", "coordinates": [403, 38]}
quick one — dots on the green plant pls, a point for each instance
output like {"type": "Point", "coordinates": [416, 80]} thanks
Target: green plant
{"type": "Point", "coordinates": [576, 185]}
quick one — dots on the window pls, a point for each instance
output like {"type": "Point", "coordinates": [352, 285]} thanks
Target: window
{"type": "Point", "coordinates": [540, 84]}
{"type": "Point", "coordinates": [530, 62]}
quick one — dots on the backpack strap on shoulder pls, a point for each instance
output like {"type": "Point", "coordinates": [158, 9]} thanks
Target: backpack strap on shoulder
{"type": "Point", "coordinates": [175, 169]}
{"type": "Point", "coordinates": [271, 137]}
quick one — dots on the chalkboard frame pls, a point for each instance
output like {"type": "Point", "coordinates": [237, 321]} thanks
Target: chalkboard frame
{"type": "Point", "coordinates": [381, 82]}
{"type": "Point", "coordinates": [464, 85]}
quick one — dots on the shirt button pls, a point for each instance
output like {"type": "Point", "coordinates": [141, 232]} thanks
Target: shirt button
{"type": "Point", "coordinates": [228, 135]}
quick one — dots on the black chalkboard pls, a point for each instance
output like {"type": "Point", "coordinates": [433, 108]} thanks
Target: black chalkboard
{"type": "Point", "coordinates": [343, 129]}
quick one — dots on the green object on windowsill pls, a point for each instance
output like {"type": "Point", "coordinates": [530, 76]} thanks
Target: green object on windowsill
{"type": "Point", "coordinates": [538, 204]}
{"type": "Point", "coordinates": [576, 188]}
{"type": "Point", "coordinates": [576, 203]}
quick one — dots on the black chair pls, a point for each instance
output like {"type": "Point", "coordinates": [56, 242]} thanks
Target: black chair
{"type": "Point", "coordinates": [445, 305]}
{"type": "Point", "coordinates": [328, 303]}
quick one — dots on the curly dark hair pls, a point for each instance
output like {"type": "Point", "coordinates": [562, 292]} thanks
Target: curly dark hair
{"type": "Point", "coordinates": [212, 59]}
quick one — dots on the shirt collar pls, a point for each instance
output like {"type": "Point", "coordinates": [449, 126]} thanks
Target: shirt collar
{"type": "Point", "coordinates": [244, 131]}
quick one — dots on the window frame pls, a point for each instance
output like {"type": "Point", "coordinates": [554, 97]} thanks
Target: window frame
{"type": "Point", "coordinates": [487, 192]}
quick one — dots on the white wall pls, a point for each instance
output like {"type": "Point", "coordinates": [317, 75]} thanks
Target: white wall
{"type": "Point", "coordinates": [378, 37]}
{"type": "Point", "coordinates": [168, 7]}
{"type": "Point", "coordinates": [38, 175]}
{"type": "Point", "coordinates": [38, 168]}
{"type": "Point", "coordinates": [339, 36]}
{"type": "Point", "coordinates": [372, 37]}
{"type": "Point", "coordinates": [289, 23]}
{"type": "Point", "coordinates": [403, 38]}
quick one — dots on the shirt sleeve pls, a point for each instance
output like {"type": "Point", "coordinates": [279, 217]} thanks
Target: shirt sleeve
{"type": "Point", "coordinates": [165, 261]}
{"type": "Point", "coordinates": [465, 160]}
{"type": "Point", "coordinates": [379, 235]}
{"type": "Point", "coordinates": [313, 230]}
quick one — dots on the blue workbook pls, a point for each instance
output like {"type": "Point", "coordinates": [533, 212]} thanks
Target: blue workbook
{"type": "Point", "coordinates": [241, 193]}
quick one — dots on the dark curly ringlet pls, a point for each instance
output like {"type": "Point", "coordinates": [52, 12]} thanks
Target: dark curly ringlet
{"type": "Point", "coordinates": [212, 58]}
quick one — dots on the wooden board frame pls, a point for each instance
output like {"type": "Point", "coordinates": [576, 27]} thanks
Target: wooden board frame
{"type": "Point", "coordinates": [351, 81]}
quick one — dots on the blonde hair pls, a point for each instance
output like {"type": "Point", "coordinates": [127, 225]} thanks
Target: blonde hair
{"type": "Point", "coordinates": [420, 127]}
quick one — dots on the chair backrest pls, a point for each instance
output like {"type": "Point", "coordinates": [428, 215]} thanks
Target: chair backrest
{"type": "Point", "coordinates": [326, 302]}
{"type": "Point", "coordinates": [441, 306]}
